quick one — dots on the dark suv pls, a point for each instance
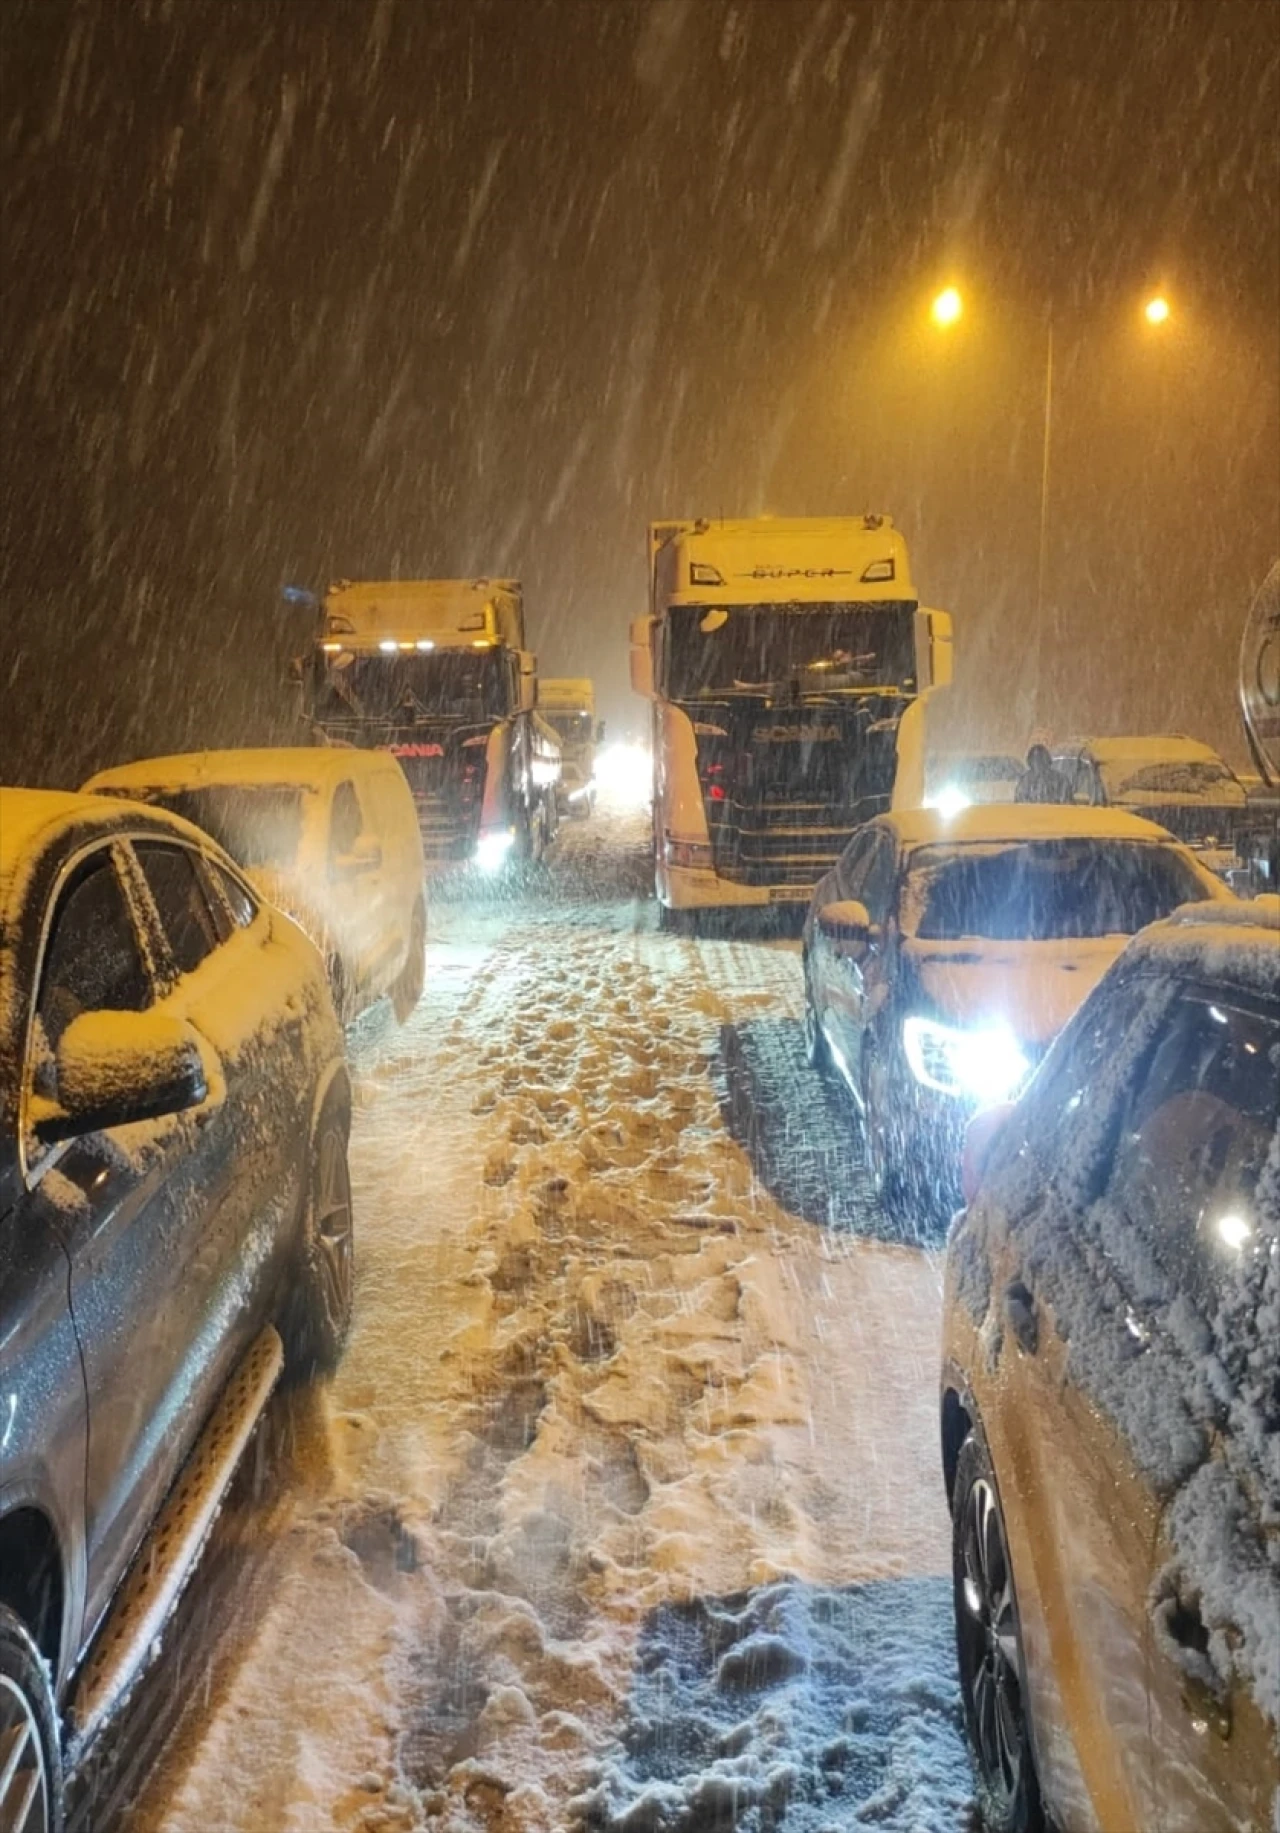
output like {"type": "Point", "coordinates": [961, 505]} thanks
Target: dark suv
{"type": "Point", "coordinates": [175, 1225]}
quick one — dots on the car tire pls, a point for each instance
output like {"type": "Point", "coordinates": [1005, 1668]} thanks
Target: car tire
{"type": "Point", "coordinates": [407, 990]}
{"type": "Point", "coordinates": [318, 1312]}
{"type": "Point", "coordinates": [989, 1651]}
{"type": "Point", "coordinates": [28, 1718]}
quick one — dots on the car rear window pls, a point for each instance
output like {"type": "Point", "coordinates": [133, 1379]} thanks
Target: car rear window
{"type": "Point", "coordinates": [1045, 890]}
{"type": "Point", "coordinates": [258, 824]}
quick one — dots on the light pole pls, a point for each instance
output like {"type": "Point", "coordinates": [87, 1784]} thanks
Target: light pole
{"type": "Point", "coordinates": [946, 310]}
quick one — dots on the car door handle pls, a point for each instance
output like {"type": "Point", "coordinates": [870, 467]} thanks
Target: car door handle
{"type": "Point", "coordinates": [1022, 1318]}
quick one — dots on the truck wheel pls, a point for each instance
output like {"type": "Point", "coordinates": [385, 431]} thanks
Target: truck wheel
{"type": "Point", "coordinates": [31, 1801]}
{"type": "Point", "coordinates": [407, 990]}
{"type": "Point", "coordinates": [674, 922]}
{"type": "Point", "coordinates": [318, 1312]}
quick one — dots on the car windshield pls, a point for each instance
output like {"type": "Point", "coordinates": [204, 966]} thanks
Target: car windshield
{"type": "Point", "coordinates": [400, 689]}
{"type": "Point", "coordinates": [805, 650]}
{"type": "Point", "coordinates": [982, 779]}
{"type": "Point", "coordinates": [1045, 890]}
{"type": "Point", "coordinates": [1187, 778]}
{"type": "Point", "coordinates": [259, 824]}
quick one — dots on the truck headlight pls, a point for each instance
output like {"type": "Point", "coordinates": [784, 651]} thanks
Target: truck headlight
{"type": "Point", "coordinates": [492, 849]}
{"type": "Point", "coordinates": [987, 1064]}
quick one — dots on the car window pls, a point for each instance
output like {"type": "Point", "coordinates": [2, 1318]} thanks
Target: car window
{"type": "Point", "coordinates": [1069, 1117]}
{"type": "Point", "coordinates": [242, 906]}
{"type": "Point", "coordinates": [173, 875]}
{"type": "Point", "coordinates": [92, 960]}
{"type": "Point", "coordinates": [851, 864]}
{"type": "Point", "coordinates": [1197, 1127]}
{"type": "Point", "coordinates": [344, 822]}
{"type": "Point", "coordinates": [878, 876]}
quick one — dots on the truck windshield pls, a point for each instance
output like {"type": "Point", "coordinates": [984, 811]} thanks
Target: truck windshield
{"type": "Point", "coordinates": [573, 728]}
{"type": "Point", "coordinates": [803, 650]}
{"type": "Point", "coordinates": [464, 684]}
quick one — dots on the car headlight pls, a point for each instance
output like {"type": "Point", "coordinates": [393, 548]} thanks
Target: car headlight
{"type": "Point", "coordinates": [986, 1064]}
{"type": "Point", "coordinates": [949, 802]}
{"type": "Point", "coordinates": [492, 849]}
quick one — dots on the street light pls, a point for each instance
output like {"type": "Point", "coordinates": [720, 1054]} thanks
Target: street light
{"type": "Point", "coordinates": [946, 310]}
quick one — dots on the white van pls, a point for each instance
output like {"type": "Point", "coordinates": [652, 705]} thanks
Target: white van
{"type": "Point", "coordinates": [330, 835]}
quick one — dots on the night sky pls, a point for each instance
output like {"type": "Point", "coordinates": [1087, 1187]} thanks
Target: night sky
{"type": "Point", "coordinates": [301, 289]}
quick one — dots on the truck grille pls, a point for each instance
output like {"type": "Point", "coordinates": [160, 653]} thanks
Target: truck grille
{"type": "Point", "coordinates": [785, 786]}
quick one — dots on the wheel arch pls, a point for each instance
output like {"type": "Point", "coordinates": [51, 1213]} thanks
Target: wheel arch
{"type": "Point", "coordinates": [333, 1085]}
{"type": "Point", "coordinates": [33, 1579]}
{"type": "Point", "coordinates": [958, 1417]}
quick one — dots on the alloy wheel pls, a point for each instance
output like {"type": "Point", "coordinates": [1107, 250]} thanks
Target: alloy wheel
{"type": "Point", "coordinates": [988, 1645]}
{"type": "Point", "coordinates": [24, 1781]}
{"type": "Point", "coordinates": [331, 1224]}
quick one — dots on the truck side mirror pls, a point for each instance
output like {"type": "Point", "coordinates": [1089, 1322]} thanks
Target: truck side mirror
{"type": "Point", "coordinates": [528, 681]}
{"type": "Point", "coordinates": [599, 731]}
{"type": "Point", "coordinates": [642, 656]}
{"type": "Point", "coordinates": [934, 648]}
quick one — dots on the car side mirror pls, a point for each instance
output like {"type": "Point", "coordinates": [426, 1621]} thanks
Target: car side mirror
{"type": "Point", "coordinates": [980, 1137]}
{"type": "Point", "coordinates": [848, 927]}
{"type": "Point", "coordinates": [365, 856]}
{"type": "Point", "coordinates": [115, 1068]}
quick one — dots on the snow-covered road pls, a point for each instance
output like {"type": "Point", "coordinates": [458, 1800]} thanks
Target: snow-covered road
{"type": "Point", "coordinates": [623, 1510]}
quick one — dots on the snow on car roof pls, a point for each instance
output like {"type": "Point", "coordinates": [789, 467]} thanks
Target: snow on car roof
{"type": "Point", "coordinates": [24, 816]}
{"type": "Point", "coordinates": [1148, 748]}
{"type": "Point", "coordinates": [309, 767]}
{"type": "Point", "coordinates": [31, 819]}
{"type": "Point", "coordinates": [1018, 821]}
{"type": "Point", "coordinates": [1237, 941]}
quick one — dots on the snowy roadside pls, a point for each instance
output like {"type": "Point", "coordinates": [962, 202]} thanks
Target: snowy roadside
{"type": "Point", "coordinates": [623, 1510]}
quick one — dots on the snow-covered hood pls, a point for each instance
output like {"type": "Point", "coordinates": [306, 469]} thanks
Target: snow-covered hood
{"type": "Point", "coordinates": [1033, 986]}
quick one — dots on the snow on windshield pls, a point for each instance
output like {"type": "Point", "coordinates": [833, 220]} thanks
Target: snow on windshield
{"type": "Point", "coordinates": [1178, 778]}
{"type": "Point", "coordinates": [1044, 890]}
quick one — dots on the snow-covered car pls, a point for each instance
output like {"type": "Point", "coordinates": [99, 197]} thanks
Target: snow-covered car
{"type": "Point", "coordinates": [329, 834]}
{"type": "Point", "coordinates": [1176, 781]}
{"type": "Point", "coordinates": [1111, 1402]}
{"type": "Point", "coordinates": [175, 1226]}
{"type": "Point", "coordinates": [944, 953]}
{"type": "Point", "coordinates": [956, 779]}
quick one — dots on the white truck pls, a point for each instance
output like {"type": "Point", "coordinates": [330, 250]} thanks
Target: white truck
{"type": "Point", "coordinates": [569, 705]}
{"type": "Point", "coordinates": [436, 672]}
{"type": "Point", "coordinates": [787, 662]}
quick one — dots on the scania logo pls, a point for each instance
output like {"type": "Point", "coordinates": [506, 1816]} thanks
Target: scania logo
{"type": "Point", "coordinates": [431, 750]}
{"type": "Point", "coordinates": [797, 735]}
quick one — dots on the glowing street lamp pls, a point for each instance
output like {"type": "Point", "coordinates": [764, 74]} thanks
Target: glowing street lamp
{"type": "Point", "coordinates": [947, 307]}
{"type": "Point", "coordinates": [1156, 311]}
